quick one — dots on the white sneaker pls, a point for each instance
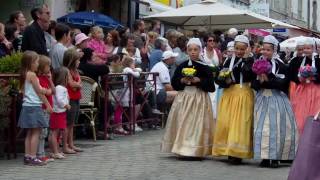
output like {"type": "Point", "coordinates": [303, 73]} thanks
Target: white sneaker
{"type": "Point", "coordinates": [137, 128]}
{"type": "Point", "coordinates": [156, 111]}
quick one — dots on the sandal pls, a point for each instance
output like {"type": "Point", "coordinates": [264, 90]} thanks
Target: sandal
{"type": "Point", "coordinates": [57, 156]}
{"type": "Point", "coordinates": [69, 151]}
{"type": "Point", "coordinates": [121, 131]}
{"type": "Point", "coordinates": [77, 149]}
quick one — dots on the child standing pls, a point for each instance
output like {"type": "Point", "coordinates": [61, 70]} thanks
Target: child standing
{"type": "Point", "coordinates": [45, 81]}
{"type": "Point", "coordinates": [129, 68]}
{"type": "Point", "coordinates": [275, 130]}
{"type": "Point", "coordinates": [305, 100]}
{"type": "Point", "coordinates": [71, 60]}
{"type": "Point", "coordinates": [32, 114]}
{"type": "Point", "coordinates": [58, 119]}
{"type": "Point", "coordinates": [233, 133]}
{"type": "Point", "coordinates": [190, 124]}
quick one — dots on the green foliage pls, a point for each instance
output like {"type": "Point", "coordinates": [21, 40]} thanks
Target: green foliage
{"type": "Point", "coordinates": [5, 101]}
{"type": "Point", "coordinates": [8, 87]}
{"type": "Point", "coordinates": [11, 63]}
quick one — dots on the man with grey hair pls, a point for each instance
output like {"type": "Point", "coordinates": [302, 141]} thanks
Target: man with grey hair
{"type": "Point", "coordinates": [156, 54]}
{"type": "Point", "coordinates": [33, 36]}
{"type": "Point", "coordinates": [231, 34]}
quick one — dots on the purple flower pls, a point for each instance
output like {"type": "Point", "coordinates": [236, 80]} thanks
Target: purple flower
{"type": "Point", "coordinates": [261, 66]}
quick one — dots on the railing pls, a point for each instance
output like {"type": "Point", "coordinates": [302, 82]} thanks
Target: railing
{"type": "Point", "coordinates": [115, 88]}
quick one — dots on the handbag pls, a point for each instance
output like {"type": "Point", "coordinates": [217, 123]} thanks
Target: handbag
{"type": "Point", "coordinates": [306, 165]}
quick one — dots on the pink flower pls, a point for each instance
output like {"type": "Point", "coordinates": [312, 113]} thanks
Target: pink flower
{"type": "Point", "coordinates": [261, 66]}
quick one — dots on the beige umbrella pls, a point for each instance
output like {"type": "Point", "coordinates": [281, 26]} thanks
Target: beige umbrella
{"type": "Point", "coordinates": [217, 15]}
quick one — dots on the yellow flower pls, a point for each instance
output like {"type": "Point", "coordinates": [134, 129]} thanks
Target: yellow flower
{"type": "Point", "coordinates": [189, 71]}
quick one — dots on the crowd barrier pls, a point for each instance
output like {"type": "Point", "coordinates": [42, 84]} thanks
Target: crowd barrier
{"type": "Point", "coordinates": [115, 87]}
{"type": "Point", "coordinates": [111, 83]}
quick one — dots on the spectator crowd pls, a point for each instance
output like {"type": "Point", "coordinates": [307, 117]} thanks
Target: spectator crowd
{"type": "Point", "coordinates": [214, 111]}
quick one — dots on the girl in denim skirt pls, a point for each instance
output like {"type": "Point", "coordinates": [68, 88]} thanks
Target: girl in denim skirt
{"type": "Point", "coordinates": [32, 115]}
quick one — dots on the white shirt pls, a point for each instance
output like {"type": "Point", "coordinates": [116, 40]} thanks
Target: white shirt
{"type": "Point", "coordinates": [164, 75]}
{"type": "Point", "coordinates": [56, 55]}
{"type": "Point", "coordinates": [135, 73]}
{"type": "Point", "coordinates": [137, 56]}
{"type": "Point", "coordinates": [214, 60]}
{"type": "Point", "coordinates": [60, 99]}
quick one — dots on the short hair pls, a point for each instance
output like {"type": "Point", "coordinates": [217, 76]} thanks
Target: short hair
{"type": "Point", "coordinates": [127, 61]}
{"type": "Point", "coordinates": [61, 30]}
{"type": "Point", "coordinates": [34, 13]}
{"type": "Point", "coordinates": [172, 33]}
{"type": "Point", "coordinates": [137, 23]}
{"type": "Point", "coordinates": [158, 43]}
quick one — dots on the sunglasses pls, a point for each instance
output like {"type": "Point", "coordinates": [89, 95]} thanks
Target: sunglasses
{"type": "Point", "coordinates": [210, 40]}
{"type": "Point", "coordinates": [48, 13]}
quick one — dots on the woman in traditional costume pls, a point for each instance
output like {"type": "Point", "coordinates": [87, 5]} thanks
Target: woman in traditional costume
{"type": "Point", "coordinates": [298, 53]}
{"type": "Point", "coordinates": [233, 133]}
{"type": "Point", "coordinates": [275, 130]}
{"type": "Point", "coordinates": [305, 101]}
{"type": "Point", "coordinates": [190, 124]}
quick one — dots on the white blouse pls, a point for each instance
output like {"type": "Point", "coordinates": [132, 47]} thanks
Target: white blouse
{"type": "Point", "coordinates": [60, 99]}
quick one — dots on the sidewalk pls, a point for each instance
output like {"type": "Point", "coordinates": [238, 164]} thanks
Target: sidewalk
{"type": "Point", "coordinates": [135, 157]}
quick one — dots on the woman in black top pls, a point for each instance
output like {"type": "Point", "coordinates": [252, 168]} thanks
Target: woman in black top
{"type": "Point", "coordinates": [233, 134]}
{"type": "Point", "coordinates": [93, 71]}
{"type": "Point", "coordinates": [275, 130]}
{"type": "Point", "coordinates": [189, 130]}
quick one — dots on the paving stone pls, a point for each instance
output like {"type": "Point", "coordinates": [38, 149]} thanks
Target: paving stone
{"type": "Point", "coordinates": [135, 157]}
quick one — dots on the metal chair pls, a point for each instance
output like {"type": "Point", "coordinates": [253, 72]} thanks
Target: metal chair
{"type": "Point", "coordinates": [87, 106]}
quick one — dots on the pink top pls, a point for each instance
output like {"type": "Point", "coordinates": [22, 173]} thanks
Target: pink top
{"type": "Point", "coordinates": [99, 48]}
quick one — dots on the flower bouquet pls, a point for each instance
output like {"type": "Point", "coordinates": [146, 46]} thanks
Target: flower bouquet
{"type": "Point", "coordinates": [189, 72]}
{"type": "Point", "coordinates": [307, 73]}
{"type": "Point", "coordinates": [261, 66]}
{"type": "Point", "coordinates": [224, 75]}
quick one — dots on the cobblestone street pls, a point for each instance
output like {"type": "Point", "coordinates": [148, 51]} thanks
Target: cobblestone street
{"type": "Point", "coordinates": [135, 157]}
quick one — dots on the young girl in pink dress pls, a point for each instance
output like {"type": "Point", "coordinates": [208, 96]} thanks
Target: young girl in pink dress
{"type": "Point", "coordinates": [305, 101]}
